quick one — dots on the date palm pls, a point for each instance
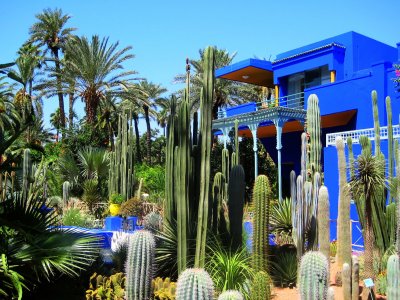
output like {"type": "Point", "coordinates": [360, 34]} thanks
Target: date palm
{"type": "Point", "coordinates": [367, 183]}
{"type": "Point", "coordinates": [50, 30]}
{"type": "Point", "coordinates": [96, 65]}
{"type": "Point", "coordinates": [151, 92]}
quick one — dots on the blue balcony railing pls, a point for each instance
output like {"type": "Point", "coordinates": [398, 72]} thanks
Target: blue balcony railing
{"type": "Point", "coordinates": [294, 101]}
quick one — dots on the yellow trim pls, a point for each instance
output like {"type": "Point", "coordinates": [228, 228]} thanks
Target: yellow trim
{"type": "Point", "coordinates": [333, 76]}
{"type": "Point", "coordinates": [276, 95]}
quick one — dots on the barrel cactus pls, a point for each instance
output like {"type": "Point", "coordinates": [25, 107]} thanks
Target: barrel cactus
{"type": "Point", "coordinates": [194, 284]}
{"type": "Point", "coordinates": [313, 276]}
{"type": "Point", "coordinates": [231, 295]}
{"type": "Point", "coordinates": [139, 265]}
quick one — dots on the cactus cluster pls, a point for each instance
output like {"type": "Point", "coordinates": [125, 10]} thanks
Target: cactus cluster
{"type": "Point", "coordinates": [106, 288]}
{"type": "Point", "coordinates": [152, 222]}
{"type": "Point", "coordinates": [231, 295]}
{"type": "Point", "coordinates": [139, 265]}
{"type": "Point", "coordinates": [314, 276]}
{"type": "Point", "coordinates": [122, 161]}
{"type": "Point", "coordinates": [261, 287]}
{"type": "Point", "coordinates": [192, 280]}
{"type": "Point", "coordinates": [164, 289]}
{"type": "Point", "coordinates": [261, 202]}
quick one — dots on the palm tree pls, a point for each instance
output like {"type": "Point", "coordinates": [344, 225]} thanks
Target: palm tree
{"type": "Point", "coordinates": [151, 92]}
{"type": "Point", "coordinates": [366, 183]}
{"type": "Point", "coordinates": [50, 31]}
{"type": "Point", "coordinates": [9, 116]}
{"type": "Point", "coordinates": [163, 114]}
{"type": "Point", "coordinates": [55, 121]}
{"type": "Point", "coordinates": [225, 91]}
{"type": "Point", "coordinates": [108, 117]}
{"type": "Point", "coordinates": [96, 67]}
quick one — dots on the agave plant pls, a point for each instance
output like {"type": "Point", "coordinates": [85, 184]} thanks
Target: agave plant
{"type": "Point", "coordinates": [36, 247]}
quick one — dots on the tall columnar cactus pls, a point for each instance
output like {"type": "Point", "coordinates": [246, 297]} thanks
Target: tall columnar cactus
{"type": "Point", "coordinates": [313, 276]}
{"type": "Point", "coordinates": [66, 189]}
{"type": "Point", "coordinates": [235, 158]}
{"type": "Point", "coordinates": [225, 168]}
{"type": "Point", "coordinates": [314, 134]}
{"type": "Point", "coordinates": [390, 142]}
{"type": "Point", "coordinates": [355, 278]}
{"type": "Point", "coordinates": [206, 103]}
{"type": "Point", "coordinates": [194, 284]}
{"type": "Point", "coordinates": [219, 200]}
{"type": "Point", "coordinates": [393, 277]}
{"type": "Point", "coordinates": [351, 156]}
{"type": "Point", "coordinates": [346, 281]}
{"type": "Point", "coordinates": [236, 192]}
{"type": "Point", "coordinates": [261, 202]}
{"type": "Point", "coordinates": [26, 173]}
{"type": "Point", "coordinates": [139, 265]}
{"type": "Point", "coordinates": [374, 97]}
{"type": "Point", "coordinates": [261, 287]}
{"type": "Point", "coordinates": [324, 222]}
{"type": "Point", "coordinates": [344, 235]}
{"type": "Point", "coordinates": [122, 161]}
{"type": "Point", "coordinates": [231, 295]}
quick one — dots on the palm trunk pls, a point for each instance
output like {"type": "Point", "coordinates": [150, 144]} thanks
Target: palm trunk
{"type": "Point", "coordinates": [71, 111]}
{"type": "Point", "coordinates": [59, 91]}
{"type": "Point", "coordinates": [137, 138]}
{"type": "Point", "coordinates": [148, 134]}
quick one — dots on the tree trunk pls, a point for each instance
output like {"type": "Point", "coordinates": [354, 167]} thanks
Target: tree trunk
{"type": "Point", "coordinates": [148, 133]}
{"type": "Point", "coordinates": [59, 92]}
{"type": "Point", "coordinates": [71, 111]}
{"type": "Point", "coordinates": [137, 138]}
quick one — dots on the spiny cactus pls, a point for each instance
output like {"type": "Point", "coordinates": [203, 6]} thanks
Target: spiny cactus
{"type": "Point", "coordinates": [206, 103]}
{"type": "Point", "coordinates": [374, 97]}
{"type": "Point", "coordinates": [346, 281]}
{"type": "Point", "coordinates": [355, 278]}
{"type": "Point", "coordinates": [314, 131]}
{"type": "Point", "coordinates": [324, 222]}
{"type": "Point", "coordinates": [26, 173]}
{"type": "Point", "coordinates": [393, 277]}
{"type": "Point", "coordinates": [235, 158]}
{"type": "Point", "coordinates": [152, 222]}
{"type": "Point", "coordinates": [261, 202]}
{"type": "Point", "coordinates": [194, 284]}
{"type": "Point", "coordinates": [139, 265]}
{"type": "Point", "coordinates": [231, 295]}
{"type": "Point", "coordinates": [390, 140]}
{"type": "Point", "coordinates": [66, 189]}
{"type": "Point", "coordinates": [261, 287]}
{"type": "Point", "coordinates": [122, 161]}
{"type": "Point", "coordinates": [219, 197]}
{"type": "Point", "coordinates": [343, 223]}
{"type": "Point", "coordinates": [236, 192]}
{"type": "Point", "coordinates": [313, 276]}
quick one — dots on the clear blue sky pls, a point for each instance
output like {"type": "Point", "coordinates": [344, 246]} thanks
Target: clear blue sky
{"type": "Point", "coordinates": [164, 33]}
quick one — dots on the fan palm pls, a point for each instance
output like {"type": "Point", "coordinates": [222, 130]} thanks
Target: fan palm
{"type": "Point", "coordinates": [96, 67]}
{"type": "Point", "coordinates": [366, 183]}
{"type": "Point", "coordinates": [50, 31]}
{"type": "Point", "coordinates": [9, 116]}
{"type": "Point", "coordinates": [151, 92]}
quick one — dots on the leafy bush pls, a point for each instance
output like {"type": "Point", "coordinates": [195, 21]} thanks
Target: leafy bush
{"type": "Point", "coordinates": [117, 199]}
{"type": "Point", "coordinates": [103, 287]}
{"type": "Point", "coordinates": [283, 268]}
{"type": "Point", "coordinates": [132, 207]}
{"type": "Point", "coordinates": [91, 193]}
{"type": "Point", "coordinates": [74, 217]}
{"type": "Point", "coordinates": [153, 178]}
{"type": "Point", "coordinates": [381, 283]}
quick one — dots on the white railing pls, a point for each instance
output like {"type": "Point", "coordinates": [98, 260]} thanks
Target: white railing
{"type": "Point", "coordinates": [355, 135]}
{"type": "Point", "coordinates": [294, 101]}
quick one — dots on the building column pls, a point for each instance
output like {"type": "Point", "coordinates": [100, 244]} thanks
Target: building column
{"type": "Point", "coordinates": [276, 95]}
{"type": "Point", "coordinates": [333, 76]}
{"type": "Point", "coordinates": [279, 126]}
{"type": "Point", "coordinates": [253, 129]}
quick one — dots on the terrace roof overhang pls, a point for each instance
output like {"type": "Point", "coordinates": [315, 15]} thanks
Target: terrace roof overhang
{"type": "Point", "coordinates": [252, 70]}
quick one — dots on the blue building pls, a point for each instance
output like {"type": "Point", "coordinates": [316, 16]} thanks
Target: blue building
{"type": "Point", "coordinates": [342, 71]}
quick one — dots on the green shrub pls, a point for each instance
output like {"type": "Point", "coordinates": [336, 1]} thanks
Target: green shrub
{"type": "Point", "coordinates": [381, 283]}
{"type": "Point", "coordinates": [283, 268]}
{"type": "Point", "coordinates": [153, 178]}
{"type": "Point", "coordinates": [91, 193]}
{"type": "Point", "coordinates": [117, 199]}
{"type": "Point", "coordinates": [74, 217]}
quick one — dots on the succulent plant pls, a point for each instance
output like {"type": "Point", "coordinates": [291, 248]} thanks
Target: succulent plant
{"type": "Point", "coordinates": [314, 276]}
{"type": "Point", "coordinates": [231, 295]}
{"type": "Point", "coordinates": [152, 222]}
{"type": "Point", "coordinates": [261, 287]}
{"type": "Point", "coordinates": [194, 284]}
{"type": "Point", "coordinates": [164, 289]}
